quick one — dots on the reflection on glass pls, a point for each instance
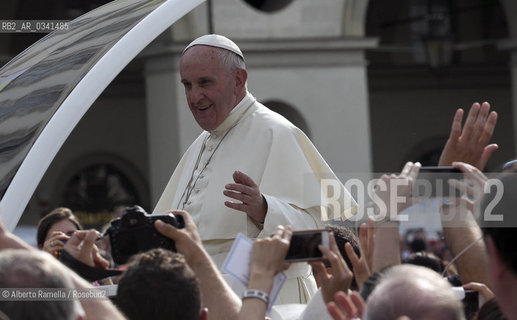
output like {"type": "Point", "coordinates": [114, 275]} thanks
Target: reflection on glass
{"type": "Point", "coordinates": [35, 83]}
{"type": "Point", "coordinates": [99, 193]}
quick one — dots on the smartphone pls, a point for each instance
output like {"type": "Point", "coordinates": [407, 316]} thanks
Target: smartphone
{"type": "Point", "coordinates": [470, 303]}
{"type": "Point", "coordinates": [304, 245]}
{"type": "Point", "coordinates": [433, 182]}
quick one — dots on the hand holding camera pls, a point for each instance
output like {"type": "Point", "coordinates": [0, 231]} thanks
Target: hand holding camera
{"type": "Point", "coordinates": [134, 232]}
{"type": "Point", "coordinates": [187, 239]}
{"type": "Point", "coordinates": [341, 277]}
{"type": "Point", "coordinates": [55, 243]}
{"type": "Point", "coordinates": [82, 247]}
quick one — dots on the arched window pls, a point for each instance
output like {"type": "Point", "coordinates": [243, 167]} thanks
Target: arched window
{"type": "Point", "coordinates": [268, 5]}
{"type": "Point", "coordinates": [98, 191]}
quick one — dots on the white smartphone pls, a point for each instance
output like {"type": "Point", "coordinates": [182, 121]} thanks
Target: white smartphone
{"type": "Point", "coordinates": [304, 245]}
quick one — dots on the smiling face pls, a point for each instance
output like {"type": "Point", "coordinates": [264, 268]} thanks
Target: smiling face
{"type": "Point", "coordinates": [212, 90]}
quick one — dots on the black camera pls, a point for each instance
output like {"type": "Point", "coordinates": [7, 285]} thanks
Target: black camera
{"type": "Point", "coordinates": [134, 232]}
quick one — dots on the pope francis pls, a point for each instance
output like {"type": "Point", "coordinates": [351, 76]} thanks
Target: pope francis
{"type": "Point", "coordinates": [250, 169]}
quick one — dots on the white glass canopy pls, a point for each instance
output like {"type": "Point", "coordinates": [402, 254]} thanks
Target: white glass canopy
{"type": "Point", "coordinates": [46, 89]}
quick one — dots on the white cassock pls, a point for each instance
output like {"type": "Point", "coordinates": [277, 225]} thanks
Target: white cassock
{"type": "Point", "coordinates": [314, 309]}
{"type": "Point", "coordinates": [283, 163]}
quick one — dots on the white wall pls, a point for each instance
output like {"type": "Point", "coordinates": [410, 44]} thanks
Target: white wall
{"type": "Point", "coordinates": [300, 19]}
{"type": "Point", "coordinates": [334, 102]}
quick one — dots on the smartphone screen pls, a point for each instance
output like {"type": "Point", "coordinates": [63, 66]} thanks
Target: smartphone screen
{"type": "Point", "coordinates": [304, 245]}
{"type": "Point", "coordinates": [433, 182]}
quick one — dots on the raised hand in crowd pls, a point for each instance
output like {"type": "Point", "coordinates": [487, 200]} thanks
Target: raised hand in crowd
{"type": "Point", "coordinates": [364, 264]}
{"type": "Point", "coordinates": [187, 240]}
{"type": "Point", "coordinates": [470, 143]}
{"type": "Point", "coordinates": [268, 254]}
{"type": "Point", "coordinates": [341, 277]}
{"type": "Point", "coordinates": [394, 194]}
{"type": "Point", "coordinates": [463, 236]}
{"type": "Point", "coordinates": [55, 243]}
{"type": "Point", "coordinates": [217, 296]}
{"type": "Point", "coordinates": [485, 293]}
{"type": "Point", "coordinates": [472, 185]}
{"type": "Point", "coordinates": [267, 259]}
{"type": "Point", "coordinates": [81, 246]}
{"type": "Point", "coordinates": [346, 307]}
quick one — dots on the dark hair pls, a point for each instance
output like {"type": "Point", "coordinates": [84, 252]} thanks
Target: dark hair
{"type": "Point", "coordinates": [490, 311]}
{"type": "Point", "coordinates": [369, 285]}
{"type": "Point", "coordinates": [372, 281]}
{"type": "Point", "coordinates": [53, 217]}
{"type": "Point", "coordinates": [502, 232]}
{"type": "Point", "coordinates": [158, 284]}
{"type": "Point", "coordinates": [427, 260]}
{"type": "Point", "coordinates": [417, 245]}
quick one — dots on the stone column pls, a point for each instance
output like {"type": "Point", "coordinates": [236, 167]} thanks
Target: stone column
{"type": "Point", "coordinates": [162, 120]}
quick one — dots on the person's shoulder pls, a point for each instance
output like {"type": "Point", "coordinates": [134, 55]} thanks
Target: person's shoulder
{"type": "Point", "coordinates": [272, 119]}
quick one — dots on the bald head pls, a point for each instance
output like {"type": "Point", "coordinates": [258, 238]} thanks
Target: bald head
{"type": "Point", "coordinates": [414, 291]}
{"type": "Point", "coordinates": [35, 269]}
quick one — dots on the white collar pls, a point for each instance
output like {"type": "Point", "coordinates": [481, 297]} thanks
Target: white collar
{"type": "Point", "coordinates": [241, 103]}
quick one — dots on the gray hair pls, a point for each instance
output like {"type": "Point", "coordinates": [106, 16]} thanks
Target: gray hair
{"type": "Point", "coordinates": [413, 291]}
{"type": "Point", "coordinates": [230, 60]}
{"type": "Point", "coordinates": [34, 269]}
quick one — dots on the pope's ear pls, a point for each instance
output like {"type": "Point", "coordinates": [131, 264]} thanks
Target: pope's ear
{"type": "Point", "coordinates": [241, 76]}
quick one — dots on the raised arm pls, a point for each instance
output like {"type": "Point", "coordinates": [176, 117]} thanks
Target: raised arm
{"type": "Point", "coordinates": [393, 196]}
{"type": "Point", "coordinates": [267, 259]}
{"type": "Point", "coordinates": [217, 296]}
{"type": "Point", "coordinates": [461, 230]}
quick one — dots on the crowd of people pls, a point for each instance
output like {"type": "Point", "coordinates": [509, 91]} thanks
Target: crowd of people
{"type": "Point", "coordinates": [368, 273]}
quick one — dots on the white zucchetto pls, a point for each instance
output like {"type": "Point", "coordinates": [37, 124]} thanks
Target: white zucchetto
{"type": "Point", "coordinates": [215, 40]}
